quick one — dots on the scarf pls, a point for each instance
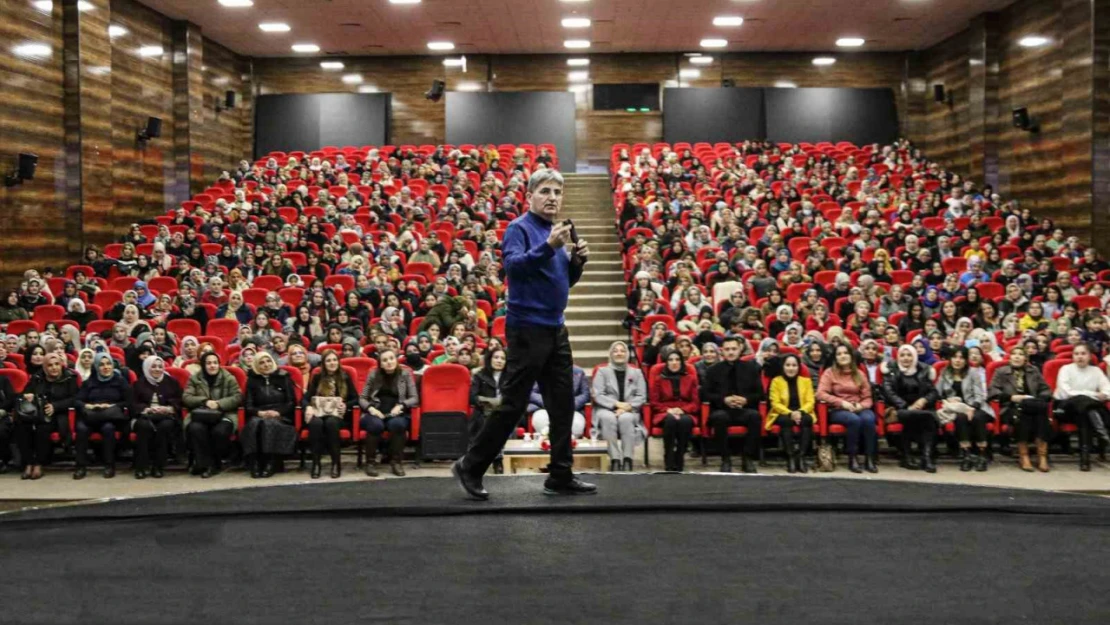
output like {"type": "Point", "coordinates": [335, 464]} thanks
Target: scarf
{"type": "Point", "coordinates": [148, 364]}
{"type": "Point", "coordinates": [795, 402]}
{"type": "Point", "coordinates": [146, 299]}
{"type": "Point", "coordinates": [912, 369]}
{"type": "Point", "coordinates": [96, 366]}
{"type": "Point", "coordinates": [613, 365]}
{"type": "Point", "coordinates": [85, 373]}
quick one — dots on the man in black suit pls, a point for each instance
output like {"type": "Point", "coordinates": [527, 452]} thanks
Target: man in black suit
{"type": "Point", "coordinates": [734, 389]}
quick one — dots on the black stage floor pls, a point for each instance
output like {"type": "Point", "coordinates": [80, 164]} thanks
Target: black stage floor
{"type": "Point", "coordinates": [648, 549]}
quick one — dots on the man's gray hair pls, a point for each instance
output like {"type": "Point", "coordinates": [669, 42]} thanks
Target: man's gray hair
{"type": "Point", "coordinates": [543, 176]}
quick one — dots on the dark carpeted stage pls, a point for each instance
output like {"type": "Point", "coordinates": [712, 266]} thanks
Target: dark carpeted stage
{"type": "Point", "coordinates": [648, 549]}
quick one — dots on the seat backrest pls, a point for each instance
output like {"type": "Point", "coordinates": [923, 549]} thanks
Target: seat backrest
{"type": "Point", "coordinates": [16, 377]}
{"type": "Point", "coordinates": [446, 388]}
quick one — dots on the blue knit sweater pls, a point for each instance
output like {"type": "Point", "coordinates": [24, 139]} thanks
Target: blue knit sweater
{"type": "Point", "coordinates": [540, 277]}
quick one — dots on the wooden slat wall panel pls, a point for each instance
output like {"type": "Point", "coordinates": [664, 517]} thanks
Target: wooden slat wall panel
{"type": "Point", "coordinates": [946, 126]}
{"type": "Point", "coordinates": [32, 119]}
{"type": "Point", "coordinates": [1100, 138]}
{"type": "Point", "coordinates": [221, 140]}
{"type": "Point", "coordinates": [188, 51]}
{"type": "Point", "coordinates": [1076, 115]}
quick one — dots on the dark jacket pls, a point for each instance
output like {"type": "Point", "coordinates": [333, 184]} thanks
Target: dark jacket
{"type": "Point", "coordinates": [901, 390]}
{"type": "Point", "coordinates": [243, 315]}
{"type": "Point", "coordinates": [168, 390]}
{"type": "Point", "coordinates": [61, 393]}
{"type": "Point", "coordinates": [115, 391]}
{"type": "Point", "coordinates": [483, 385]}
{"type": "Point", "coordinates": [271, 392]}
{"type": "Point", "coordinates": [1003, 385]}
{"type": "Point", "coordinates": [8, 397]}
{"type": "Point", "coordinates": [745, 375]}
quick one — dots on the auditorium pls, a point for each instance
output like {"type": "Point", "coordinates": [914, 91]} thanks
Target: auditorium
{"type": "Point", "coordinates": [833, 323]}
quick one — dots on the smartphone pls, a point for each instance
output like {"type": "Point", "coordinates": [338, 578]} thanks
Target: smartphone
{"type": "Point", "coordinates": [573, 232]}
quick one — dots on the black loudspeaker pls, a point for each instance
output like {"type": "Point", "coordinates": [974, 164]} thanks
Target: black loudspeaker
{"type": "Point", "coordinates": [231, 99]}
{"type": "Point", "coordinates": [728, 83]}
{"type": "Point", "coordinates": [938, 93]}
{"type": "Point", "coordinates": [153, 129]}
{"type": "Point", "coordinates": [436, 92]}
{"type": "Point", "coordinates": [26, 164]}
{"type": "Point", "coordinates": [1023, 121]}
{"type": "Point", "coordinates": [443, 435]}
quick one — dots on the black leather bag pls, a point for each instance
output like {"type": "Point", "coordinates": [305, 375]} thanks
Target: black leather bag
{"type": "Point", "coordinates": [207, 416]}
{"type": "Point", "coordinates": [29, 411]}
{"type": "Point", "coordinates": [111, 414]}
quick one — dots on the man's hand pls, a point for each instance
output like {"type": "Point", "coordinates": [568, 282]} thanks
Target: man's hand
{"type": "Point", "coordinates": [583, 250]}
{"type": "Point", "coordinates": [560, 235]}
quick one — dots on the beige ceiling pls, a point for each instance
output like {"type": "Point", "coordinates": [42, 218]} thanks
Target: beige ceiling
{"type": "Point", "coordinates": [359, 27]}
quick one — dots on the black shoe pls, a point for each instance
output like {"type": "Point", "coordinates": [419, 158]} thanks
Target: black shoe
{"type": "Point", "coordinates": [316, 469]}
{"type": "Point", "coordinates": [498, 466]}
{"type": "Point", "coordinates": [627, 465]}
{"type": "Point", "coordinates": [927, 462]}
{"type": "Point", "coordinates": [79, 473]}
{"type": "Point", "coordinates": [336, 470]}
{"type": "Point", "coordinates": [470, 485]}
{"type": "Point", "coordinates": [909, 462]}
{"type": "Point", "coordinates": [791, 464]}
{"type": "Point", "coordinates": [614, 466]}
{"type": "Point", "coordinates": [574, 487]}
{"type": "Point", "coordinates": [397, 468]}
{"type": "Point", "coordinates": [981, 463]}
{"type": "Point", "coordinates": [1084, 459]}
{"type": "Point", "coordinates": [270, 468]}
{"type": "Point", "coordinates": [749, 466]}
{"type": "Point", "coordinates": [26, 474]}
{"type": "Point", "coordinates": [196, 471]}
{"type": "Point", "coordinates": [109, 472]}
{"type": "Point", "coordinates": [210, 472]}
{"type": "Point", "coordinates": [726, 466]}
{"type": "Point", "coordinates": [853, 464]}
{"type": "Point", "coordinates": [157, 473]}
{"type": "Point", "coordinates": [967, 461]}
{"type": "Point", "coordinates": [869, 465]}
{"type": "Point", "coordinates": [256, 468]}
{"type": "Point", "coordinates": [370, 469]}
{"type": "Point", "coordinates": [140, 474]}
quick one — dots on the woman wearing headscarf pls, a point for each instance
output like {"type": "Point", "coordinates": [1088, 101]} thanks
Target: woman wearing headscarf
{"type": "Point", "coordinates": [54, 392]}
{"type": "Point", "coordinates": [236, 309]}
{"type": "Point", "coordinates": [187, 309]}
{"type": "Point", "coordinates": [144, 298]}
{"type": "Point", "coordinates": [911, 398]}
{"type": "Point", "coordinates": [619, 392]}
{"type": "Point", "coordinates": [792, 404]}
{"type": "Point", "coordinates": [925, 354]}
{"type": "Point", "coordinates": [76, 311]}
{"type": "Point", "coordinates": [10, 310]}
{"type": "Point", "coordinates": [305, 324]}
{"type": "Point", "coordinates": [387, 401]}
{"type": "Point", "coordinates": [156, 411]}
{"type": "Point", "coordinates": [190, 347]}
{"type": "Point", "coordinates": [328, 401]}
{"type": "Point", "coordinates": [815, 354]}
{"type": "Point", "coordinates": [675, 404]}
{"type": "Point", "coordinates": [768, 357]}
{"type": "Point", "coordinates": [784, 316]}
{"type": "Point", "coordinates": [269, 434]}
{"type": "Point", "coordinates": [1023, 397]}
{"type": "Point", "coordinates": [103, 400]}
{"type": "Point", "coordinates": [84, 364]}
{"type": "Point", "coordinates": [212, 398]}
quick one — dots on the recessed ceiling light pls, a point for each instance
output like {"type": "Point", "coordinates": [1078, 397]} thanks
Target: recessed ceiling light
{"type": "Point", "coordinates": [578, 76]}
{"type": "Point", "coordinates": [468, 86]}
{"type": "Point", "coordinates": [368, 89]}
{"type": "Point", "coordinates": [728, 20]}
{"type": "Point", "coordinates": [274, 27]}
{"type": "Point", "coordinates": [577, 44]}
{"type": "Point", "coordinates": [115, 30]}
{"type": "Point", "coordinates": [237, 3]}
{"type": "Point", "coordinates": [151, 51]}
{"type": "Point", "coordinates": [1032, 41]}
{"type": "Point", "coordinates": [331, 65]}
{"type": "Point", "coordinates": [824, 60]}
{"type": "Point", "coordinates": [576, 22]}
{"type": "Point", "coordinates": [701, 60]}
{"type": "Point", "coordinates": [441, 45]}
{"type": "Point", "coordinates": [306, 47]}
{"type": "Point", "coordinates": [453, 62]}
{"type": "Point", "coordinates": [352, 79]}
{"type": "Point", "coordinates": [850, 42]}
{"type": "Point", "coordinates": [714, 43]}
{"type": "Point", "coordinates": [689, 73]}
{"type": "Point", "coordinates": [786, 84]}
{"type": "Point", "coordinates": [578, 62]}
{"type": "Point", "coordinates": [32, 50]}
{"type": "Point", "coordinates": [404, 1]}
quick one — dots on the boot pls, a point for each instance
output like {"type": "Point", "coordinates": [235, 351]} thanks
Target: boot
{"type": "Point", "coordinates": [803, 463]}
{"type": "Point", "coordinates": [397, 454]}
{"type": "Point", "coordinates": [726, 465]}
{"type": "Point", "coordinates": [748, 465]}
{"type": "Point", "coordinates": [255, 464]}
{"type": "Point", "coordinates": [927, 459]}
{"type": "Point", "coordinates": [336, 469]}
{"type": "Point", "coordinates": [1042, 456]}
{"type": "Point", "coordinates": [626, 466]}
{"type": "Point", "coordinates": [370, 450]}
{"type": "Point", "coordinates": [853, 464]}
{"type": "Point", "coordinates": [981, 462]}
{"type": "Point", "coordinates": [614, 466]}
{"type": "Point", "coordinates": [791, 462]}
{"type": "Point", "coordinates": [1023, 457]}
{"type": "Point", "coordinates": [1084, 458]}
{"type": "Point", "coordinates": [870, 465]}
{"type": "Point", "coordinates": [967, 461]}
{"type": "Point", "coordinates": [316, 468]}
{"type": "Point", "coordinates": [272, 467]}
{"type": "Point", "coordinates": [907, 462]}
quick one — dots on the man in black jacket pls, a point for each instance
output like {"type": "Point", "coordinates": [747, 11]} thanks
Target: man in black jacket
{"type": "Point", "coordinates": [734, 389]}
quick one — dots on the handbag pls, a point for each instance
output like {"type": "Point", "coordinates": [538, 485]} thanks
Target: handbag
{"type": "Point", "coordinates": [111, 414]}
{"type": "Point", "coordinates": [28, 411]}
{"type": "Point", "coordinates": [826, 458]}
{"type": "Point", "coordinates": [207, 416]}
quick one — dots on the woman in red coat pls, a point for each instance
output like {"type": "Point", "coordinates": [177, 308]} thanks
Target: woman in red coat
{"type": "Point", "coordinates": [674, 404]}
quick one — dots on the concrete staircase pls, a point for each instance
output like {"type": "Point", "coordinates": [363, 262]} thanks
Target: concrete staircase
{"type": "Point", "coordinates": [597, 302]}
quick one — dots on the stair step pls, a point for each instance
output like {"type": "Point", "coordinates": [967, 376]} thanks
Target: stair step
{"type": "Point", "coordinates": [598, 299]}
{"type": "Point", "coordinates": [588, 359]}
{"type": "Point", "coordinates": [600, 314]}
{"type": "Point", "coordinates": [590, 287]}
{"type": "Point", "coordinates": [582, 328]}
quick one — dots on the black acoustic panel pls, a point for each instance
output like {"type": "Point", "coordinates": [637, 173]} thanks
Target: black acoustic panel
{"type": "Point", "coordinates": [306, 122]}
{"type": "Point", "coordinates": [861, 116]}
{"type": "Point", "coordinates": [514, 117]}
{"type": "Point", "coordinates": [713, 115]}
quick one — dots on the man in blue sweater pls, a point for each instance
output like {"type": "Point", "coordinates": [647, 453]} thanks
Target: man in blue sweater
{"type": "Point", "coordinates": [541, 263]}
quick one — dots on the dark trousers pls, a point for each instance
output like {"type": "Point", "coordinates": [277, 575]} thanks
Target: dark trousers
{"type": "Point", "coordinates": [1089, 414]}
{"type": "Point", "coordinates": [33, 441]}
{"type": "Point", "coordinates": [323, 437]}
{"type": "Point", "coordinates": [211, 443]}
{"type": "Point", "coordinates": [918, 425]}
{"type": "Point", "coordinates": [1029, 420]}
{"type": "Point", "coordinates": [107, 430]}
{"type": "Point", "coordinates": [721, 420]}
{"type": "Point", "coordinates": [6, 429]}
{"type": "Point", "coordinates": [857, 426]}
{"type": "Point", "coordinates": [152, 438]}
{"type": "Point", "coordinates": [972, 429]}
{"type": "Point", "coordinates": [397, 427]}
{"type": "Point", "coordinates": [786, 431]}
{"type": "Point", "coordinates": [534, 353]}
{"type": "Point", "coordinates": [676, 436]}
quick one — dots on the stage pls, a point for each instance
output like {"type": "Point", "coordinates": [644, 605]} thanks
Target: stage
{"type": "Point", "coordinates": [650, 548]}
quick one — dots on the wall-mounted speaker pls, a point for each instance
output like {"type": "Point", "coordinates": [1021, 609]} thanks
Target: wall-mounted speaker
{"type": "Point", "coordinates": [153, 130]}
{"type": "Point", "coordinates": [938, 93]}
{"type": "Point", "coordinates": [728, 83]}
{"type": "Point", "coordinates": [436, 92]}
{"type": "Point", "coordinates": [26, 164]}
{"type": "Point", "coordinates": [231, 99]}
{"type": "Point", "coordinates": [1024, 121]}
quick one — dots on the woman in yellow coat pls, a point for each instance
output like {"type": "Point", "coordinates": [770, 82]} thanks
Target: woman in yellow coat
{"type": "Point", "coordinates": [793, 405]}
